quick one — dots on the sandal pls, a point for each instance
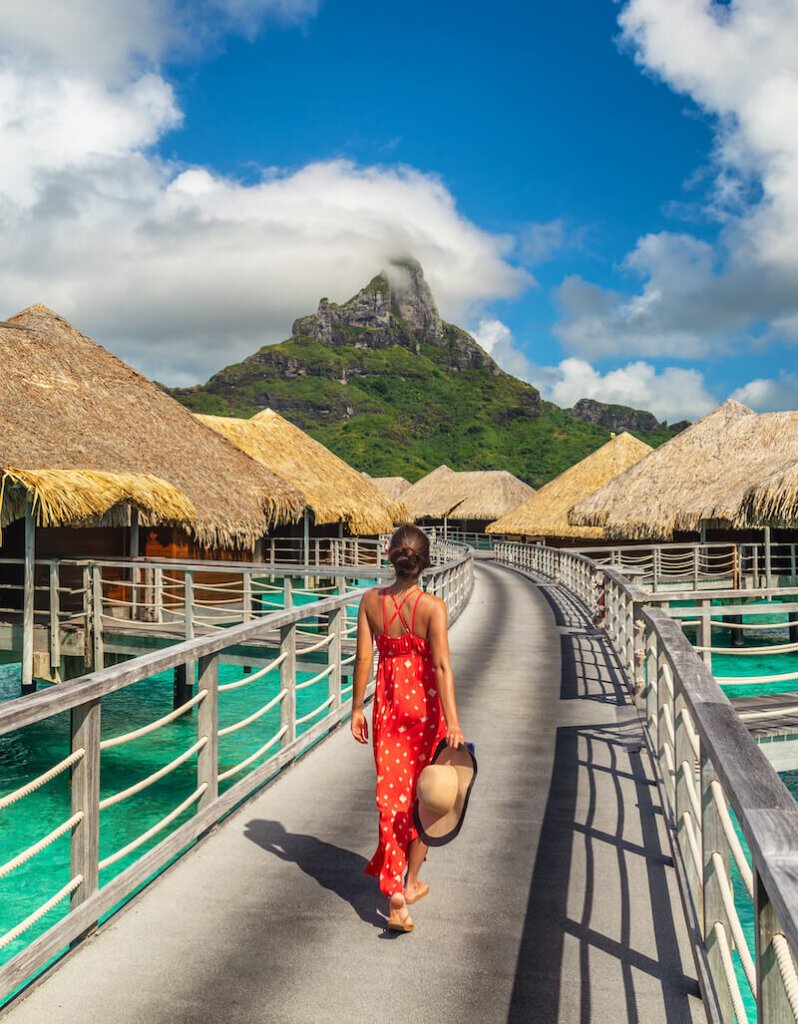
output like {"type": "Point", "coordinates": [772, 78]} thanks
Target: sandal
{"type": "Point", "coordinates": [420, 895]}
{"type": "Point", "coordinates": [396, 924]}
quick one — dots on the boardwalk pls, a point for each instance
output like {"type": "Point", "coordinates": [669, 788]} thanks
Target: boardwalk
{"type": "Point", "coordinates": [557, 902]}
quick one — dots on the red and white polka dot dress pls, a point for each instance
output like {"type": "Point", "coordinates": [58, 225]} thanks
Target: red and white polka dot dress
{"type": "Point", "coordinates": [407, 725]}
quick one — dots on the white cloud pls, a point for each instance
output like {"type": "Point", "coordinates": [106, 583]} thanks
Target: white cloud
{"type": "Point", "coordinates": [672, 394]}
{"type": "Point", "coordinates": [739, 62]}
{"type": "Point", "coordinates": [178, 269]}
{"type": "Point", "coordinates": [770, 395]}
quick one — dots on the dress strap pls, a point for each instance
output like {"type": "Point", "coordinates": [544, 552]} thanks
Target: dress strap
{"type": "Point", "coordinates": [384, 615]}
{"type": "Point", "coordinates": [397, 613]}
{"type": "Point", "coordinates": [415, 606]}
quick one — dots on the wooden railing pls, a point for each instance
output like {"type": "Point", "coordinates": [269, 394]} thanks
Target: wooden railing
{"type": "Point", "coordinates": [281, 651]}
{"type": "Point", "coordinates": [711, 774]}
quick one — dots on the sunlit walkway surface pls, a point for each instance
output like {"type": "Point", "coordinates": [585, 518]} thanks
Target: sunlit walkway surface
{"type": "Point", "coordinates": [557, 902]}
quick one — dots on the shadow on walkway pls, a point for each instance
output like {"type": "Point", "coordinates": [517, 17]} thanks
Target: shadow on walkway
{"type": "Point", "coordinates": [598, 774]}
{"type": "Point", "coordinates": [334, 868]}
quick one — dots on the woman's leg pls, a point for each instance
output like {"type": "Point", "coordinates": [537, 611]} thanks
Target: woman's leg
{"type": "Point", "coordinates": [416, 854]}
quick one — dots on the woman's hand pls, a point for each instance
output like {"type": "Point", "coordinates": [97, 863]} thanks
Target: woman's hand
{"type": "Point", "coordinates": [454, 736]}
{"type": "Point", "coordinates": [360, 728]}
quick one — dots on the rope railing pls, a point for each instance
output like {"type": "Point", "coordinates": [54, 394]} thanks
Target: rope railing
{"type": "Point", "coordinates": [145, 730]}
{"type": "Point", "coordinates": [175, 595]}
{"type": "Point", "coordinates": [159, 826]}
{"type": "Point", "coordinates": [711, 775]}
{"type": "Point", "coordinates": [42, 911]}
{"type": "Point", "coordinates": [42, 844]}
{"type": "Point", "coordinates": [150, 780]}
{"type": "Point", "coordinates": [41, 780]}
{"type": "Point", "coordinates": [254, 676]}
{"type": "Point", "coordinates": [228, 729]}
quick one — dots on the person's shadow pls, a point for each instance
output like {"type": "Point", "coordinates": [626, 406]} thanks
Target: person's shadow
{"type": "Point", "coordinates": [339, 870]}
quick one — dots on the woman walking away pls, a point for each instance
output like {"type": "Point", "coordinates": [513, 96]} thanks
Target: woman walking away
{"type": "Point", "coordinates": [414, 710]}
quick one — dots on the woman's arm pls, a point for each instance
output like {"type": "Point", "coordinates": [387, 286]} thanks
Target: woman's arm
{"type": "Point", "coordinates": [363, 661]}
{"type": "Point", "coordinates": [439, 641]}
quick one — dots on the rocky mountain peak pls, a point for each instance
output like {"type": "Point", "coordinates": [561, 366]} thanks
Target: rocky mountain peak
{"type": "Point", "coordinates": [398, 298]}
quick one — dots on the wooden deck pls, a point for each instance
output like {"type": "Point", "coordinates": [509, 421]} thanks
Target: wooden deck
{"type": "Point", "coordinates": [557, 903]}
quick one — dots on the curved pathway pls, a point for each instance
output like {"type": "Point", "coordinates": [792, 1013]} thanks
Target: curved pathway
{"type": "Point", "coordinates": [558, 901]}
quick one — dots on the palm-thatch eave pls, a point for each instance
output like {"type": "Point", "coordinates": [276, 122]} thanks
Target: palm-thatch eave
{"type": "Point", "coordinates": [470, 495]}
{"type": "Point", "coordinates": [698, 478]}
{"type": "Point", "coordinates": [330, 489]}
{"type": "Point", "coordinates": [81, 497]}
{"type": "Point", "coordinates": [69, 404]}
{"type": "Point", "coordinates": [545, 513]}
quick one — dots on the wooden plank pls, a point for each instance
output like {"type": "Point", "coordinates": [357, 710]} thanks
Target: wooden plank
{"type": "Point", "coordinates": [772, 1003]}
{"type": "Point", "coordinates": [55, 619]}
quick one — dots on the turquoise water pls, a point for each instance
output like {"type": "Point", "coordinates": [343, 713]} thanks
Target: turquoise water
{"type": "Point", "coordinates": [29, 752]}
{"type": "Point", "coordinates": [741, 667]}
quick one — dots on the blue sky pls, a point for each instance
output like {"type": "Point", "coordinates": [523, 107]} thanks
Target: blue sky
{"type": "Point", "coordinates": [605, 193]}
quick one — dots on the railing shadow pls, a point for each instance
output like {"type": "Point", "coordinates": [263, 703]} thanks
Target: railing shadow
{"type": "Point", "coordinates": [334, 868]}
{"type": "Point", "coordinates": [564, 948]}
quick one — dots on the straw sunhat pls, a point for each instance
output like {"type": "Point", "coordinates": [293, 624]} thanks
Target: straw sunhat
{"type": "Point", "coordinates": [442, 793]}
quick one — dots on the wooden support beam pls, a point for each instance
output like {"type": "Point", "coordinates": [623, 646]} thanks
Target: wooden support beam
{"type": "Point", "coordinates": [29, 597]}
{"type": "Point", "coordinates": [85, 787]}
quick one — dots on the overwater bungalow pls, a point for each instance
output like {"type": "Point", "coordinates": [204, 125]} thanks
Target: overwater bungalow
{"type": "Point", "coordinates": [465, 502]}
{"type": "Point", "coordinates": [544, 515]}
{"type": "Point", "coordinates": [335, 496]}
{"type": "Point", "coordinates": [89, 438]}
{"type": "Point", "coordinates": [717, 477]}
{"type": "Point", "coordinates": [392, 487]}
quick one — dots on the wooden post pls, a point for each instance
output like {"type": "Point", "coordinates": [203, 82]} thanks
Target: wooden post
{"type": "Point", "coordinates": [705, 632]}
{"type": "Point", "coordinates": [55, 622]}
{"type": "Point", "coordinates": [288, 682]}
{"type": "Point", "coordinates": [157, 596]}
{"type": "Point", "coordinates": [135, 573]}
{"type": "Point", "coordinates": [713, 840]}
{"type": "Point", "coordinates": [271, 550]}
{"type": "Point", "coordinates": [188, 601]}
{"type": "Point", "coordinates": [306, 538]}
{"type": "Point", "coordinates": [772, 1004]}
{"type": "Point", "coordinates": [768, 559]}
{"type": "Point", "coordinates": [87, 617]}
{"type": "Point", "coordinates": [208, 725]}
{"type": "Point", "coordinates": [288, 592]}
{"type": "Point", "coordinates": [696, 566]}
{"type": "Point", "coordinates": [97, 617]}
{"type": "Point", "coordinates": [28, 598]}
{"type": "Point", "coordinates": [85, 787]}
{"type": "Point", "coordinates": [247, 595]}
{"type": "Point", "coordinates": [182, 686]}
{"type": "Point", "coordinates": [335, 627]}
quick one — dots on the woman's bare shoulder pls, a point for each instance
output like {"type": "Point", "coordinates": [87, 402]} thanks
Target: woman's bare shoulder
{"type": "Point", "coordinates": [434, 604]}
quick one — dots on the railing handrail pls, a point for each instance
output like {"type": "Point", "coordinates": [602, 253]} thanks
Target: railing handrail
{"type": "Point", "coordinates": [43, 704]}
{"type": "Point", "coordinates": [689, 719]}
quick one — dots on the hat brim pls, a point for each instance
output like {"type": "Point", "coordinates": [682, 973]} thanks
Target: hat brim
{"type": "Point", "coordinates": [439, 829]}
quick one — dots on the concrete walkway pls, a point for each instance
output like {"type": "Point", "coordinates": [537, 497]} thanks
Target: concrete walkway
{"type": "Point", "coordinates": [557, 902]}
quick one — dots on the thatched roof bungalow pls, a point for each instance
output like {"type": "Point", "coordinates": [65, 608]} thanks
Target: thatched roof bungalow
{"type": "Point", "coordinates": [545, 513]}
{"type": "Point", "coordinates": [88, 437]}
{"type": "Point", "coordinates": [476, 497]}
{"type": "Point", "coordinates": [332, 491]}
{"type": "Point", "coordinates": [392, 487]}
{"type": "Point", "coordinates": [729, 470]}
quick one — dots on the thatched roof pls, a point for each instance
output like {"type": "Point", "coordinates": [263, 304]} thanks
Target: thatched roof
{"type": "Point", "coordinates": [720, 472]}
{"type": "Point", "coordinates": [86, 497]}
{"type": "Point", "coordinates": [331, 489]}
{"type": "Point", "coordinates": [484, 494]}
{"type": "Point", "coordinates": [392, 486]}
{"type": "Point", "coordinates": [68, 404]}
{"type": "Point", "coordinates": [545, 513]}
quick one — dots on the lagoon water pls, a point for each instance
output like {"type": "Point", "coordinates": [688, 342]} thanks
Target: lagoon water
{"type": "Point", "coordinates": [29, 752]}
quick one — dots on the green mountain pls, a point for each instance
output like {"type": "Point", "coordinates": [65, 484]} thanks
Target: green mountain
{"type": "Point", "coordinates": [394, 390]}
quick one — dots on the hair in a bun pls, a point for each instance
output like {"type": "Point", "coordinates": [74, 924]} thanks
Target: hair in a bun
{"type": "Point", "coordinates": [408, 551]}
